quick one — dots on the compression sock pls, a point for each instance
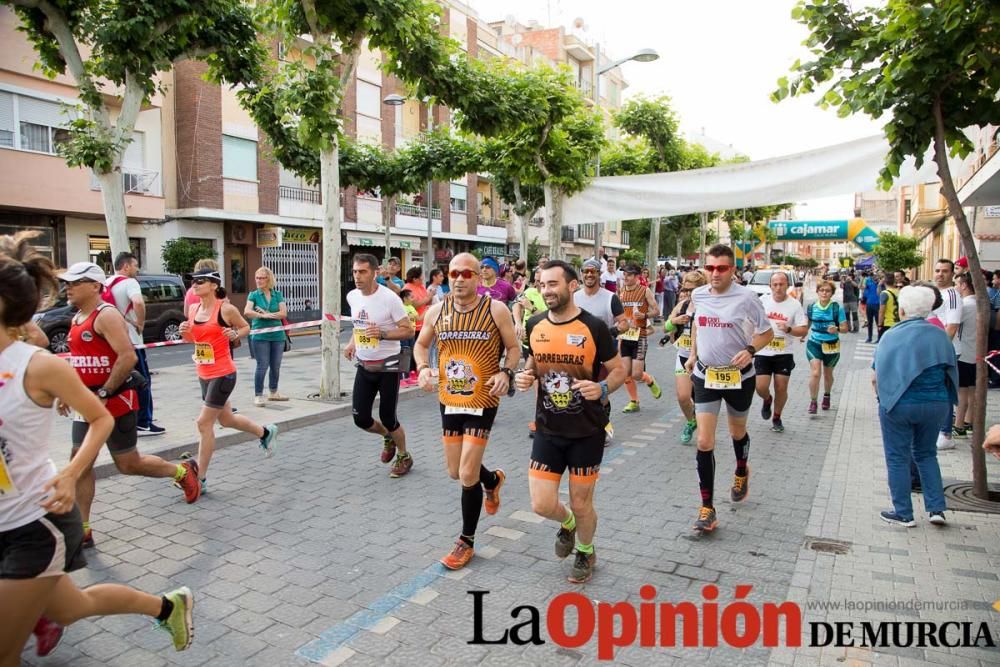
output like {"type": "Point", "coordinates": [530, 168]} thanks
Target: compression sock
{"type": "Point", "coordinates": [706, 476]}
{"type": "Point", "coordinates": [633, 391]}
{"type": "Point", "coordinates": [777, 416]}
{"type": "Point", "coordinates": [472, 505]}
{"type": "Point", "coordinates": [86, 527]}
{"type": "Point", "coordinates": [742, 449]}
{"type": "Point", "coordinates": [179, 473]}
{"type": "Point", "coordinates": [166, 608]}
{"type": "Point", "coordinates": [488, 478]}
{"type": "Point", "coordinates": [570, 523]}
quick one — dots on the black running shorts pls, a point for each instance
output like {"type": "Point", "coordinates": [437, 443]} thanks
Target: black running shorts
{"type": "Point", "coordinates": [634, 349]}
{"type": "Point", "coordinates": [966, 374]}
{"type": "Point", "coordinates": [459, 427]}
{"type": "Point", "coordinates": [122, 439]}
{"type": "Point", "coordinates": [215, 392]}
{"type": "Point", "coordinates": [551, 455]}
{"type": "Point", "coordinates": [48, 547]}
{"type": "Point", "coordinates": [779, 364]}
{"type": "Point", "coordinates": [737, 400]}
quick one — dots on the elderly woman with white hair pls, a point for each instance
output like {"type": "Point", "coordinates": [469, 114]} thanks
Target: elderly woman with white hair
{"type": "Point", "coordinates": [916, 381]}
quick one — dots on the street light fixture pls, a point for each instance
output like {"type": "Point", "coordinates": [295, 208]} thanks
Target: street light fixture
{"type": "Point", "coordinates": [394, 100]}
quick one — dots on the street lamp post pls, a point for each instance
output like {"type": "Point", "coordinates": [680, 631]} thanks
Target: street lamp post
{"type": "Point", "coordinates": [395, 100]}
{"type": "Point", "coordinates": [641, 56]}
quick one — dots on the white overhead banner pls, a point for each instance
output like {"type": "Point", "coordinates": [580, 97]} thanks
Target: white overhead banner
{"type": "Point", "coordinates": [824, 172]}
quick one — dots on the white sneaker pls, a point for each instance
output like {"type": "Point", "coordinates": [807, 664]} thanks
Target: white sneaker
{"type": "Point", "coordinates": [944, 442]}
{"type": "Point", "coordinates": [259, 402]}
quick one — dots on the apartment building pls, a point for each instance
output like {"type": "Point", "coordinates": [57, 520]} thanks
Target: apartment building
{"type": "Point", "coordinates": [980, 190]}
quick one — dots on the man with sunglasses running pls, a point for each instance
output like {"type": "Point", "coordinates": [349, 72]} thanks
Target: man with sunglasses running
{"type": "Point", "coordinates": [729, 326]}
{"type": "Point", "coordinates": [640, 307]}
{"type": "Point", "coordinates": [473, 331]}
{"type": "Point", "coordinates": [777, 358]}
{"type": "Point", "coordinates": [380, 322]}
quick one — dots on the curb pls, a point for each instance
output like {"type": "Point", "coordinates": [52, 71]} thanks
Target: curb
{"type": "Point", "coordinates": [172, 452]}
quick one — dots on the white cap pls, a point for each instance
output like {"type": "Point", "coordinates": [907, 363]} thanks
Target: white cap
{"type": "Point", "coordinates": [83, 271]}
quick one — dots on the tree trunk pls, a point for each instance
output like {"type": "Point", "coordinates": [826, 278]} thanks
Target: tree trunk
{"type": "Point", "coordinates": [653, 251]}
{"type": "Point", "coordinates": [521, 225]}
{"type": "Point", "coordinates": [330, 343]}
{"type": "Point", "coordinates": [388, 207]}
{"type": "Point", "coordinates": [980, 489]}
{"type": "Point", "coordinates": [680, 248]}
{"type": "Point", "coordinates": [704, 232]}
{"type": "Point", "coordinates": [553, 214]}
{"type": "Point", "coordinates": [113, 196]}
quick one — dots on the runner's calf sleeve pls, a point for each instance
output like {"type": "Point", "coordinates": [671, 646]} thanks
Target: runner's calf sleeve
{"type": "Point", "coordinates": [706, 476]}
{"type": "Point", "coordinates": [472, 505]}
{"type": "Point", "coordinates": [742, 449]}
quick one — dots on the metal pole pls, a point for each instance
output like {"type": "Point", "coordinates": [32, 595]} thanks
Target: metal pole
{"type": "Point", "coordinates": [704, 223]}
{"type": "Point", "coordinates": [430, 198]}
{"type": "Point", "coordinates": [598, 226]}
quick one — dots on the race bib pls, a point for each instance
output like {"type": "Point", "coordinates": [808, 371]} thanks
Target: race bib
{"type": "Point", "coordinates": [203, 353]}
{"type": "Point", "coordinates": [777, 344]}
{"type": "Point", "coordinates": [451, 410]}
{"type": "Point", "coordinates": [832, 347]}
{"type": "Point", "coordinates": [631, 334]}
{"type": "Point", "coordinates": [7, 487]}
{"type": "Point", "coordinates": [723, 377]}
{"type": "Point", "coordinates": [684, 342]}
{"type": "Point", "coordinates": [364, 342]}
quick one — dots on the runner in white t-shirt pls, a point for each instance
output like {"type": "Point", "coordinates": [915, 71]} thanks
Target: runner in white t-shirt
{"type": "Point", "coordinates": [949, 315]}
{"type": "Point", "coordinates": [777, 358]}
{"type": "Point", "coordinates": [729, 326]}
{"type": "Point", "coordinates": [380, 322]}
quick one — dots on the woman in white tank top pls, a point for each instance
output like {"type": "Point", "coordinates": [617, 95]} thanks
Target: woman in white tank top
{"type": "Point", "coordinates": [40, 530]}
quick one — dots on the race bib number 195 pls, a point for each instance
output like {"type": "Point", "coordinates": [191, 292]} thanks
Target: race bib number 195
{"type": "Point", "coordinates": [723, 377]}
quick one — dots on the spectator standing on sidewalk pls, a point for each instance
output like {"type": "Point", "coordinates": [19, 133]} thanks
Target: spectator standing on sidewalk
{"type": "Point", "coordinates": [128, 300]}
{"type": "Point", "coordinates": [850, 289]}
{"type": "Point", "coordinates": [994, 293]}
{"type": "Point", "coordinates": [965, 345]}
{"type": "Point", "coordinates": [916, 381]}
{"type": "Point", "coordinates": [266, 308]}
{"type": "Point", "coordinates": [870, 300]}
{"type": "Point", "coordinates": [670, 288]}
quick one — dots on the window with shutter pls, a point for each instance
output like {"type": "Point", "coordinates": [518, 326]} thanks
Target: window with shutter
{"type": "Point", "coordinates": [239, 158]}
{"type": "Point", "coordinates": [6, 119]}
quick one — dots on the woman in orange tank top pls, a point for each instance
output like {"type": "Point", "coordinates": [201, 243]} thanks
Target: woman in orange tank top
{"type": "Point", "coordinates": [212, 325]}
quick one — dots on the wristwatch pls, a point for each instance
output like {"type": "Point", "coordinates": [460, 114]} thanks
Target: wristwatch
{"type": "Point", "coordinates": [510, 374]}
{"type": "Point", "coordinates": [751, 349]}
{"type": "Point", "coordinates": [102, 393]}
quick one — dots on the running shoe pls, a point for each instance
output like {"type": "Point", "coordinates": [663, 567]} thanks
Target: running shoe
{"type": "Point", "coordinates": [491, 497]}
{"type": "Point", "coordinates": [654, 388]}
{"type": "Point", "coordinates": [402, 465]}
{"type": "Point", "coordinates": [47, 636]}
{"type": "Point", "coordinates": [565, 541]}
{"type": "Point", "coordinates": [204, 486]}
{"type": "Point", "coordinates": [152, 429]}
{"type": "Point", "coordinates": [777, 426]}
{"type": "Point", "coordinates": [688, 435]}
{"type": "Point", "coordinates": [88, 539]}
{"type": "Point", "coordinates": [180, 624]}
{"type": "Point", "coordinates": [707, 520]}
{"type": "Point", "coordinates": [459, 557]}
{"type": "Point", "coordinates": [826, 402]}
{"type": "Point", "coordinates": [189, 483]}
{"type": "Point", "coordinates": [959, 432]}
{"type": "Point", "coordinates": [741, 487]}
{"type": "Point", "coordinates": [633, 406]}
{"type": "Point", "coordinates": [259, 402]}
{"type": "Point", "coordinates": [583, 568]}
{"type": "Point", "coordinates": [765, 410]}
{"type": "Point", "coordinates": [269, 442]}
{"type": "Point", "coordinates": [813, 407]}
{"type": "Point", "coordinates": [945, 442]}
{"type": "Point", "coordinates": [388, 448]}
{"type": "Point", "coordinates": [895, 519]}
{"type": "Point", "coordinates": [609, 434]}
{"type": "Point", "coordinates": [275, 396]}
{"type": "Point", "coordinates": [937, 518]}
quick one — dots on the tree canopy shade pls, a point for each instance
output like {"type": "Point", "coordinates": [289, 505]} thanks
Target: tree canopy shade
{"type": "Point", "coordinates": [930, 70]}
{"type": "Point", "coordinates": [116, 49]}
{"type": "Point", "coordinates": [897, 253]}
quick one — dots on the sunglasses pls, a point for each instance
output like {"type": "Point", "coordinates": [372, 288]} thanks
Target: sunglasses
{"type": "Point", "coordinates": [201, 281]}
{"type": "Point", "coordinates": [464, 273]}
{"type": "Point", "coordinates": [82, 281]}
{"type": "Point", "coordinates": [718, 268]}
{"type": "Point", "coordinates": [594, 271]}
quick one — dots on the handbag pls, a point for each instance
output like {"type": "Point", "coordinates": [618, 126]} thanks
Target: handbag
{"type": "Point", "coordinates": [288, 338]}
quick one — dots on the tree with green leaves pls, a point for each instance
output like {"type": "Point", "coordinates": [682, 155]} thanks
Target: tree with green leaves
{"type": "Point", "coordinates": [179, 254]}
{"type": "Point", "coordinates": [931, 69]}
{"type": "Point", "coordinates": [115, 51]}
{"type": "Point", "coordinates": [895, 252]}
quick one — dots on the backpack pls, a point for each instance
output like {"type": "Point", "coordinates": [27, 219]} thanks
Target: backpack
{"type": "Point", "coordinates": [108, 297]}
{"type": "Point", "coordinates": [891, 297]}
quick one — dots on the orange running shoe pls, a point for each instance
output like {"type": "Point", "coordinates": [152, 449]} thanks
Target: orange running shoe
{"type": "Point", "coordinates": [459, 556]}
{"type": "Point", "coordinates": [189, 483]}
{"type": "Point", "coordinates": [491, 497]}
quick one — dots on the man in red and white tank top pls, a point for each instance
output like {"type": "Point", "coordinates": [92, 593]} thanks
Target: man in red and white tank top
{"type": "Point", "coordinates": [103, 356]}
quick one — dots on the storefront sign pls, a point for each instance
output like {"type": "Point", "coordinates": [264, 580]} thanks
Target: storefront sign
{"type": "Point", "coordinates": [444, 254]}
{"type": "Point", "coordinates": [301, 235]}
{"type": "Point", "coordinates": [493, 250]}
{"type": "Point", "coordinates": [991, 212]}
{"type": "Point", "coordinates": [269, 237]}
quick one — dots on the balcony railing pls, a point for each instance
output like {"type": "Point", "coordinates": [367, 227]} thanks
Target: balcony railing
{"type": "Point", "coordinates": [492, 222]}
{"type": "Point", "coordinates": [417, 211]}
{"type": "Point", "coordinates": [568, 234]}
{"type": "Point", "coordinates": [135, 182]}
{"type": "Point", "coordinates": [536, 222]}
{"type": "Point", "coordinates": [586, 232]}
{"type": "Point", "coordinates": [300, 194]}
{"type": "Point", "coordinates": [625, 238]}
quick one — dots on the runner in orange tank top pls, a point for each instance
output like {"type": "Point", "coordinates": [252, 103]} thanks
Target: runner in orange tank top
{"type": "Point", "coordinates": [472, 333]}
{"type": "Point", "coordinates": [640, 307]}
{"type": "Point", "coordinates": [212, 325]}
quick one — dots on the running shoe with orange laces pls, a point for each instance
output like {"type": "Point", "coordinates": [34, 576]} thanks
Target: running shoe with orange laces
{"type": "Point", "coordinates": [459, 557]}
{"type": "Point", "coordinates": [190, 484]}
{"type": "Point", "coordinates": [741, 487]}
{"type": "Point", "coordinates": [707, 520]}
{"type": "Point", "coordinates": [491, 497]}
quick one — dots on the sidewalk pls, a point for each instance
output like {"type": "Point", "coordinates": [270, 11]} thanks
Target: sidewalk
{"type": "Point", "coordinates": [177, 402]}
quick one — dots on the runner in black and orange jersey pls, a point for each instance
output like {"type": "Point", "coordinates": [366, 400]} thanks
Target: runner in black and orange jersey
{"type": "Point", "coordinates": [640, 306]}
{"type": "Point", "coordinates": [212, 325]}
{"type": "Point", "coordinates": [102, 354]}
{"type": "Point", "coordinates": [472, 331]}
{"type": "Point", "coordinates": [568, 347]}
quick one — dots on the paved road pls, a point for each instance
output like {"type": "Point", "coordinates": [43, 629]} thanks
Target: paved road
{"type": "Point", "coordinates": [180, 355]}
{"type": "Point", "coordinates": [317, 555]}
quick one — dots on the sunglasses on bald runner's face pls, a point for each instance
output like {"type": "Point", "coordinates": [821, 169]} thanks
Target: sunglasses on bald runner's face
{"type": "Point", "coordinates": [464, 273]}
{"type": "Point", "coordinates": [717, 268]}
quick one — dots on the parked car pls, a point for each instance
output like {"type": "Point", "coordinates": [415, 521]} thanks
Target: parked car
{"type": "Point", "coordinates": [164, 295]}
{"type": "Point", "coordinates": [760, 283]}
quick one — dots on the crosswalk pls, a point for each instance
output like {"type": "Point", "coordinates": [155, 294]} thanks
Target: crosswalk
{"type": "Point", "coordinates": [864, 352]}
